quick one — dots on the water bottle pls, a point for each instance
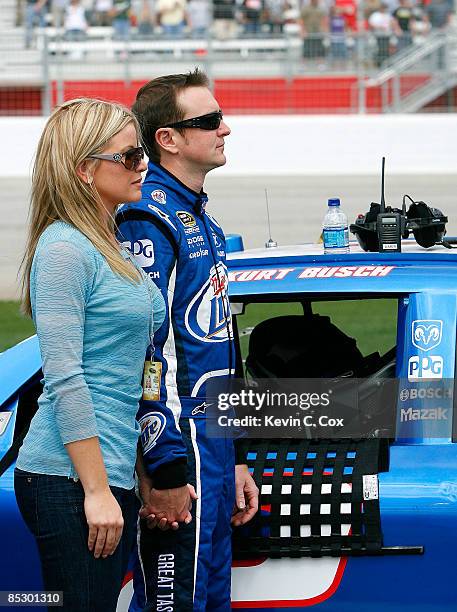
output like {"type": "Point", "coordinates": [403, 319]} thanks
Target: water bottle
{"type": "Point", "coordinates": [335, 232]}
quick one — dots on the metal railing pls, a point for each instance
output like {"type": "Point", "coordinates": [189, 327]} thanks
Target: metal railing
{"type": "Point", "coordinates": [280, 73]}
{"type": "Point", "coordinates": [417, 76]}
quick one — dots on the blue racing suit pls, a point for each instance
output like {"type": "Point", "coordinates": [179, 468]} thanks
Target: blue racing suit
{"type": "Point", "coordinates": [182, 249]}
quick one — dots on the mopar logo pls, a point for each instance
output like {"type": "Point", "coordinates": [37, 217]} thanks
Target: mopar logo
{"type": "Point", "coordinates": [430, 367]}
{"type": "Point", "coordinates": [143, 250]}
{"type": "Point", "coordinates": [426, 334]}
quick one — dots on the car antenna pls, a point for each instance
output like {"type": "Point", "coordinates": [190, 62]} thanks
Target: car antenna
{"type": "Point", "coordinates": [383, 202]}
{"type": "Point", "coordinates": [271, 243]}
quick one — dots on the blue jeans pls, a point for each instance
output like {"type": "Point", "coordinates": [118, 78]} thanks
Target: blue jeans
{"type": "Point", "coordinates": [53, 509]}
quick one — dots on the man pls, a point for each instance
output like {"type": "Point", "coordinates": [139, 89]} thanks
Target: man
{"type": "Point", "coordinates": [381, 24]}
{"type": "Point", "coordinates": [313, 25]}
{"type": "Point", "coordinates": [403, 17]}
{"type": "Point", "coordinates": [182, 248]}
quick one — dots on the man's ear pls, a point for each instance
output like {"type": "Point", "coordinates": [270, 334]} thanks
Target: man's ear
{"type": "Point", "coordinates": [166, 139]}
{"type": "Point", "coordinates": [85, 173]}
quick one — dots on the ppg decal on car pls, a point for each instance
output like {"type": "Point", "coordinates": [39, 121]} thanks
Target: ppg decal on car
{"type": "Point", "coordinates": [152, 426]}
{"type": "Point", "coordinates": [208, 314]}
{"type": "Point", "coordinates": [143, 250]}
{"type": "Point", "coordinates": [427, 334]}
{"type": "Point", "coordinates": [429, 367]}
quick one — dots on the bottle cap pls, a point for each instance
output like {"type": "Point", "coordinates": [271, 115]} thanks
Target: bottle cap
{"type": "Point", "coordinates": [334, 202]}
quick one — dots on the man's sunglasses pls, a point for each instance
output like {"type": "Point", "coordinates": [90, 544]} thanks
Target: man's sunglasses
{"type": "Point", "coordinates": [211, 121]}
{"type": "Point", "coordinates": [131, 159]}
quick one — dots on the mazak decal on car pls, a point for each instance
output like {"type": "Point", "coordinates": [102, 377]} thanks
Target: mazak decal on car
{"type": "Point", "coordinates": [208, 315]}
{"type": "Point", "coordinates": [314, 272]}
{"type": "Point", "coordinates": [426, 334]}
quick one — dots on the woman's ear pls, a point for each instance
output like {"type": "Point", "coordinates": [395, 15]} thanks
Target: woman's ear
{"type": "Point", "coordinates": [85, 173]}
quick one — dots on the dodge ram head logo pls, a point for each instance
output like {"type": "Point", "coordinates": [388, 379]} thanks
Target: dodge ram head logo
{"type": "Point", "coordinates": [426, 334]}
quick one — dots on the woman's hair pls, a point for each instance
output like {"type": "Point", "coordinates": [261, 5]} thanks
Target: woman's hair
{"type": "Point", "coordinates": [76, 129]}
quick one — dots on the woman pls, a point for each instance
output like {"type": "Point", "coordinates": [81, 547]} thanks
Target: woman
{"type": "Point", "coordinates": [95, 313]}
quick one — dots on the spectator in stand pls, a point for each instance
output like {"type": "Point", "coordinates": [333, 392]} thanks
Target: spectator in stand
{"type": "Point", "coordinates": [381, 24]}
{"type": "Point", "coordinates": [102, 12]}
{"type": "Point", "coordinates": [348, 10]}
{"type": "Point", "coordinates": [58, 9]}
{"type": "Point", "coordinates": [370, 7]}
{"type": "Point", "coordinates": [121, 18]}
{"type": "Point", "coordinates": [146, 19]}
{"type": "Point", "coordinates": [314, 23]}
{"type": "Point", "coordinates": [337, 29]}
{"type": "Point", "coordinates": [35, 13]}
{"type": "Point", "coordinates": [274, 15]}
{"type": "Point", "coordinates": [172, 17]}
{"type": "Point", "coordinates": [252, 13]}
{"type": "Point", "coordinates": [439, 14]}
{"type": "Point", "coordinates": [75, 23]}
{"type": "Point", "coordinates": [403, 16]}
{"type": "Point", "coordinates": [420, 25]}
{"type": "Point", "coordinates": [291, 15]}
{"type": "Point", "coordinates": [198, 14]}
{"type": "Point", "coordinates": [224, 19]}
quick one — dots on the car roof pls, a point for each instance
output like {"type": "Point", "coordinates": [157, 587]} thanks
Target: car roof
{"type": "Point", "coordinates": [305, 269]}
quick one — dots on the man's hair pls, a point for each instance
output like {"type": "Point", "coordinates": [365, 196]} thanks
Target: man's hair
{"type": "Point", "coordinates": [156, 105]}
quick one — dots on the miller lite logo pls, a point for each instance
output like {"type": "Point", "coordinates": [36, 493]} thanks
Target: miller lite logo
{"type": "Point", "coordinates": [152, 425]}
{"type": "Point", "coordinates": [208, 315]}
{"type": "Point", "coordinates": [426, 334]}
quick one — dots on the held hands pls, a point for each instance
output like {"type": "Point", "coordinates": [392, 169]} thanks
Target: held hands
{"type": "Point", "coordinates": [104, 517]}
{"type": "Point", "coordinates": [166, 508]}
{"type": "Point", "coordinates": [246, 496]}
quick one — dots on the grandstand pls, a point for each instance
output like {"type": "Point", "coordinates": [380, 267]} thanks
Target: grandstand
{"type": "Point", "coordinates": [257, 70]}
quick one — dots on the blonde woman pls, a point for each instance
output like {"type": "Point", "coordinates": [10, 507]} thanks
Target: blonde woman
{"type": "Point", "coordinates": [95, 313]}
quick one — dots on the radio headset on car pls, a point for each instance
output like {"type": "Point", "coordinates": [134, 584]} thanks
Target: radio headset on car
{"type": "Point", "coordinates": [383, 227]}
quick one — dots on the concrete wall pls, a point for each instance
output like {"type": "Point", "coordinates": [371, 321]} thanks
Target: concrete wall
{"type": "Point", "coordinates": [297, 145]}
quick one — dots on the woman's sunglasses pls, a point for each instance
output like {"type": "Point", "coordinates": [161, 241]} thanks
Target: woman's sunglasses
{"type": "Point", "coordinates": [131, 159]}
{"type": "Point", "coordinates": [211, 121]}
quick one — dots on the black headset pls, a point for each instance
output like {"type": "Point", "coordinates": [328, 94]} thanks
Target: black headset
{"type": "Point", "coordinates": [427, 224]}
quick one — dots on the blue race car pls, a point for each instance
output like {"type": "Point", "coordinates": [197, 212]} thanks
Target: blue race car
{"type": "Point", "coordinates": [345, 524]}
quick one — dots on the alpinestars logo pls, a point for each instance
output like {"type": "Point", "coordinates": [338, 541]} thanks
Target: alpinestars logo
{"type": "Point", "coordinates": [208, 317]}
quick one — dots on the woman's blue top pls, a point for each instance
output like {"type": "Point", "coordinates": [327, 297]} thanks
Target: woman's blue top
{"type": "Point", "coordinates": [94, 328]}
